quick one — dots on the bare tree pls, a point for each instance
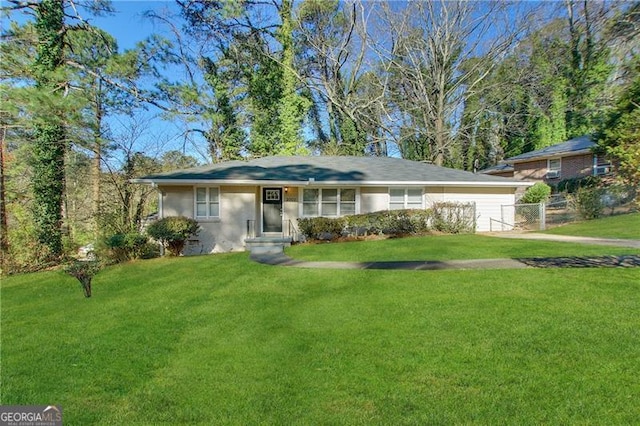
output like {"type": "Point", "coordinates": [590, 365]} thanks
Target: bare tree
{"type": "Point", "coordinates": [335, 66]}
{"type": "Point", "coordinates": [126, 204]}
{"type": "Point", "coordinates": [437, 53]}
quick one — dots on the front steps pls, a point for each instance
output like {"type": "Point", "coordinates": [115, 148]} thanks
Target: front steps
{"type": "Point", "coordinates": [267, 245]}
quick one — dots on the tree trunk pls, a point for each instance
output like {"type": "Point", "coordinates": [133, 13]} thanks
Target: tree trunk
{"type": "Point", "coordinates": [86, 286]}
{"type": "Point", "coordinates": [4, 228]}
{"type": "Point", "coordinates": [96, 166]}
{"type": "Point", "coordinates": [50, 134]}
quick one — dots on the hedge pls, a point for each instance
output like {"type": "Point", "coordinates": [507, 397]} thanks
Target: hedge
{"type": "Point", "coordinates": [443, 217]}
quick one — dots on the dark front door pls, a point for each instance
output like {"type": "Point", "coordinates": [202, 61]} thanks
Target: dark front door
{"type": "Point", "coordinates": [271, 209]}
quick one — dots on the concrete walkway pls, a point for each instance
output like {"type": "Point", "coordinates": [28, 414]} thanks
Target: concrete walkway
{"type": "Point", "coordinates": [616, 242]}
{"type": "Point", "coordinates": [628, 261]}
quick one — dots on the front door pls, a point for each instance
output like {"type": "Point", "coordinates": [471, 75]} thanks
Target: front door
{"type": "Point", "coordinates": [271, 209]}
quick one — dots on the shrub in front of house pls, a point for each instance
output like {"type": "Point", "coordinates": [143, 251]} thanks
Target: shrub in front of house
{"type": "Point", "coordinates": [454, 218]}
{"type": "Point", "coordinates": [390, 223]}
{"type": "Point", "coordinates": [173, 231]}
{"type": "Point", "coordinates": [538, 193]}
{"type": "Point", "coordinates": [321, 228]}
{"type": "Point", "coordinates": [588, 202]}
{"type": "Point", "coordinates": [127, 246]}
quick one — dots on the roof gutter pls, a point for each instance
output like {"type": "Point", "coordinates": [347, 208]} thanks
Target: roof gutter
{"type": "Point", "coordinates": [240, 182]}
{"type": "Point", "coordinates": [546, 157]}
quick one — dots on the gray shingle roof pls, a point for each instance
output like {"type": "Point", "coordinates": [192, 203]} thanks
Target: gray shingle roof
{"type": "Point", "coordinates": [498, 168]}
{"type": "Point", "coordinates": [572, 146]}
{"type": "Point", "coordinates": [326, 169]}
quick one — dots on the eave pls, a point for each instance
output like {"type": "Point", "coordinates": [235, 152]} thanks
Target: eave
{"type": "Point", "coordinates": [241, 182]}
{"type": "Point", "coordinates": [549, 156]}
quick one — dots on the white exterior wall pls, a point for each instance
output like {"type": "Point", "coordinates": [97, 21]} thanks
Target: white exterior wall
{"type": "Point", "coordinates": [374, 199]}
{"type": "Point", "coordinates": [236, 208]}
{"type": "Point", "coordinates": [489, 202]}
{"type": "Point", "coordinates": [433, 195]}
{"type": "Point", "coordinates": [177, 201]}
{"type": "Point", "coordinates": [237, 205]}
{"type": "Point", "coordinates": [290, 208]}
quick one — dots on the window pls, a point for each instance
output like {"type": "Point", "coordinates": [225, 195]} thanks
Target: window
{"type": "Point", "coordinates": [601, 165]}
{"type": "Point", "coordinates": [310, 199]}
{"type": "Point", "coordinates": [405, 198]}
{"type": "Point", "coordinates": [207, 202]}
{"type": "Point", "coordinates": [272, 195]}
{"type": "Point", "coordinates": [347, 201]}
{"type": "Point", "coordinates": [396, 199]}
{"type": "Point", "coordinates": [414, 198]}
{"type": "Point", "coordinates": [328, 201]}
{"type": "Point", "coordinates": [553, 168]}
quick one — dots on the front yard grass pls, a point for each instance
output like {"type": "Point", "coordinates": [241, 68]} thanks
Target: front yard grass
{"type": "Point", "coordinates": [222, 340]}
{"type": "Point", "coordinates": [450, 247]}
{"type": "Point", "coordinates": [445, 247]}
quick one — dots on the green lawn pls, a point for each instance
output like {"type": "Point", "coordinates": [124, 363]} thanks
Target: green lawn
{"type": "Point", "coordinates": [219, 339]}
{"type": "Point", "coordinates": [448, 247]}
{"type": "Point", "coordinates": [445, 247]}
{"type": "Point", "coordinates": [622, 226]}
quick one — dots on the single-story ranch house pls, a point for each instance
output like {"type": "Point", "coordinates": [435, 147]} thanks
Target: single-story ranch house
{"type": "Point", "coordinates": [571, 159]}
{"type": "Point", "coordinates": [236, 201]}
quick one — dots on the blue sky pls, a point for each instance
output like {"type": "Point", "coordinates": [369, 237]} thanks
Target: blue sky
{"type": "Point", "coordinates": [127, 24]}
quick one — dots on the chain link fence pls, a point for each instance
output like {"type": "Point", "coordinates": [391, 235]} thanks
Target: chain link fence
{"type": "Point", "coordinates": [562, 209]}
{"type": "Point", "coordinates": [521, 217]}
{"type": "Point", "coordinates": [559, 211]}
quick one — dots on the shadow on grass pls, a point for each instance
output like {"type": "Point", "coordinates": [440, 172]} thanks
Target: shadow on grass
{"type": "Point", "coordinates": [625, 261]}
{"type": "Point", "coordinates": [629, 261]}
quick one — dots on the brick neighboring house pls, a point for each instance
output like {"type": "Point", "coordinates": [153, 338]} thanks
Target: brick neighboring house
{"type": "Point", "coordinates": [571, 159]}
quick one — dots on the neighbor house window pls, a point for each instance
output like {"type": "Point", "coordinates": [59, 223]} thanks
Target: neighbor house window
{"type": "Point", "coordinates": [207, 202]}
{"type": "Point", "coordinates": [601, 165]}
{"type": "Point", "coordinates": [553, 168]}
{"type": "Point", "coordinates": [328, 201]}
{"type": "Point", "coordinates": [405, 198]}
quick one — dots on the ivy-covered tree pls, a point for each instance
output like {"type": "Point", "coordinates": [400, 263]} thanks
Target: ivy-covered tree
{"type": "Point", "coordinates": [435, 62]}
{"type": "Point", "coordinates": [256, 79]}
{"type": "Point", "coordinates": [293, 107]}
{"type": "Point", "coordinates": [225, 138]}
{"type": "Point", "coordinates": [49, 126]}
{"type": "Point", "coordinates": [47, 100]}
{"type": "Point", "coordinates": [589, 68]}
{"type": "Point", "coordinates": [557, 83]}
